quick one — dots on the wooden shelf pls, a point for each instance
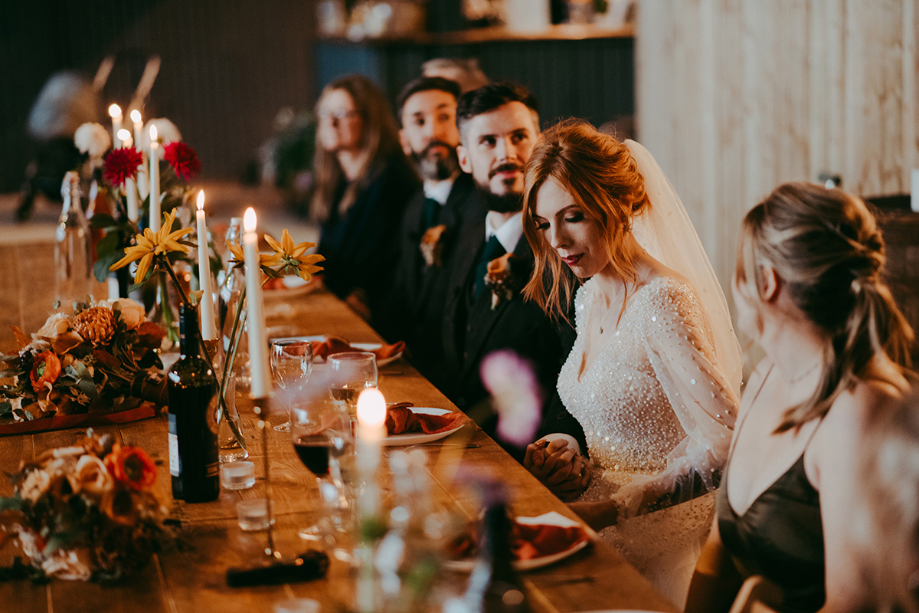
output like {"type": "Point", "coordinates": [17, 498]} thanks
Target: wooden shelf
{"type": "Point", "coordinates": [496, 34]}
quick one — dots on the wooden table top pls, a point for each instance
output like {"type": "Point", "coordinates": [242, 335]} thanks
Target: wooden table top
{"type": "Point", "coordinates": [191, 577]}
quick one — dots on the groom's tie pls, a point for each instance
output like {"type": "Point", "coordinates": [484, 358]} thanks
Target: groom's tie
{"type": "Point", "coordinates": [430, 214]}
{"type": "Point", "coordinates": [493, 249]}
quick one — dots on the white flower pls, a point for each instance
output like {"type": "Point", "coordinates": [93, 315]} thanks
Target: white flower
{"type": "Point", "coordinates": [516, 395]}
{"type": "Point", "coordinates": [54, 326]}
{"type": "Point", "coordinates": [132, 314]}
{"type": "Point", "coordinates": [93, 139]}
{"type": "Point", "coordinates": [35, 485]}
{"type": "Point", "coordinates": [69, 564]}
{"type": "Point", "coordinates": [93, 476]}
{"type": "Point", "coordinates": [166, 132]}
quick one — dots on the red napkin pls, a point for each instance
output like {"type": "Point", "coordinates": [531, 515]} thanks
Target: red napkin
{"type": "Point", "coordinates": [402, 420]}
{"type": "Point", "coordinates": [535, 541]}
{"type": "Point", "coordinates": [336, 344]}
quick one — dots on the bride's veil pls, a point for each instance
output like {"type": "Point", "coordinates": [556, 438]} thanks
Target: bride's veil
{"type": "Point", "coordinates": [667, 234]}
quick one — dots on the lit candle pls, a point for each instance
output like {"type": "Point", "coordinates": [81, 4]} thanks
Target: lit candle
{"type": "Point", "coordinates": [138, 142]}
{"type": "Point", "coordinates": [260, 386]}
{"type": "Point", "coordinates": [155, 216]}
{"type": "Point", "coordinates": [371, 429]}
{"type": "Point", "coordinates": [138, 126]}
{"type": "Point", "coordinates": [114, 112]}
{"type": "Point", "coordinates": [208, 329]}
{"type": "Point", "coordinates": [130, 188]}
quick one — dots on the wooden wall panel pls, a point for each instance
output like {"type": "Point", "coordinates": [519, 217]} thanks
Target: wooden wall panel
{"type": "Point", "coordinates": [737, 96]}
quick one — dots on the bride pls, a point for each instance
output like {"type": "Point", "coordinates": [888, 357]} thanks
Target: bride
{"type": "Point", "coordinates": [654, 374]}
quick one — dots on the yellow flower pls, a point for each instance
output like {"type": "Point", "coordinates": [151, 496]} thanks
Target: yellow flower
{"type": "Point", "coordinates": [291, 257]}
{"type": "Point", "coordinates": [151, 244]}
{"type": "Point", "coordinates": [239, 258]}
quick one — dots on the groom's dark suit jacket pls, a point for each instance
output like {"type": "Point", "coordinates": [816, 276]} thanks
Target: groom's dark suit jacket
{"type": "Point", "coordinates": [416, 307]}
{"type": "Point", "coordinates": [472, 330]}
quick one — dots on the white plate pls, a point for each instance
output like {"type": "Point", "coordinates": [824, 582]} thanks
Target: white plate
{"type": "Point", "coordinates": [374, 347]}
{"type": "Point", "coordinates": [359, 346]}
{"type": "Point", "coordinates": [293, 286]}
{"type": "Point", "coordinates": [468, 564]}
{"type": "Point", "coordinates": [415, 438]}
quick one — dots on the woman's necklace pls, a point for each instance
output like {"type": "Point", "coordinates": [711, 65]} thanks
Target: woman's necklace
{"type": "Point", "coordinates": [604, 323]}
{"type": "Point", "coordinates": [800, 377]}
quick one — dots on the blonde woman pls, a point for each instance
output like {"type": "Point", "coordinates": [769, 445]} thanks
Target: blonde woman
{"type": "Point", "coordinates": [655, 369]}
{"type": "Point", "coordinates": [363, 183]}
{"type": "Point", "coordinates": [808, 289]}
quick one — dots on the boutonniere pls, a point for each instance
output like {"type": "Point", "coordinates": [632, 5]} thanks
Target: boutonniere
{"type": "Point", "coordinates": [501, 279]}
{"type": "Point", "coordinates": [432, 246]}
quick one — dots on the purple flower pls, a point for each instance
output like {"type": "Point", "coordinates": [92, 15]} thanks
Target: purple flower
{"type": "Point", "coordinates": [516, 395]}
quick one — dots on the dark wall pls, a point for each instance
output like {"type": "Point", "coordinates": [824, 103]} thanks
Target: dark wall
{"type": "Point", "coordinates": [593, 79]}
{"type": "Point", "coordinates": [227, 67]}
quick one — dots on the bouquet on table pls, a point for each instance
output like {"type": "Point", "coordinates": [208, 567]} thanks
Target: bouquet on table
{"type": "Point", "coordinates": [99, 359]}
{"type": "Point", "coordinates": [84, 512]}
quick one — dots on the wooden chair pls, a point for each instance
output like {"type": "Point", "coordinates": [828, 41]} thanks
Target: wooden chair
{"type": "Point", "coordinates": [757, 595]}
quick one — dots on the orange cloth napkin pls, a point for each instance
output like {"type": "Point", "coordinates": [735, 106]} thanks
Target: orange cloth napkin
{"type": "Point", "coordinates": [402, 420]}
{"type": "Point", "coordinates": [530, 541]}
{"type": "Point", "coordinates": [336, 344]}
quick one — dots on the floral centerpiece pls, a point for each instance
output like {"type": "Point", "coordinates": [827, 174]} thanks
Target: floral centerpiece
{"type": "Point", "coordinates": [85, 512]}
{"type": "Point", "coordinates": [98, 359]}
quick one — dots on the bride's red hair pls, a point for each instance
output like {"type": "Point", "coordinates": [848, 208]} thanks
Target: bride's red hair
{"type": "Point", "coordinates": [602, 177]}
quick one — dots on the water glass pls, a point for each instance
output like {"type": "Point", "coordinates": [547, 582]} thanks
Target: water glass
{"type": "Point", "coordinates": [291, 363]}
{"type": "Point", "coordinates": [351, 373]}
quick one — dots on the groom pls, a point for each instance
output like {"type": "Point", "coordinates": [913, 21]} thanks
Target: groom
{"type": "Point", "coordinates": [485, 308]}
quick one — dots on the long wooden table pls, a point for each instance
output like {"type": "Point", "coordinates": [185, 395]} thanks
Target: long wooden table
{"type": "Point", "coordinates": [191, 577]}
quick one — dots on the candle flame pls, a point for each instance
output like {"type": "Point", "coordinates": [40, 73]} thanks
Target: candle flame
{"type": "Point", "coordinates": [371, 408]}
{"type": "Point", "coordinates": [201, 200]}
{"type": "Point", "coordinates": [152, 134]}
{"type": "Point", "coordinates": [125, 137]}
{"type": "Point", "coordinates": [249, 220]}
{"type": "Point", "coordinates": [114, 111]}
{"type": "Point", "coordinates": [135, 116]}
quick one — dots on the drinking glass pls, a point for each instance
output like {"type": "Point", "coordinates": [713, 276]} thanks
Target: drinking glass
{"type": "Point", "coordinates": [321, 435]}
{"type": "Point", "coordinates": [291, 364]}
{"type": "Point", "coordinates": [351, 373]}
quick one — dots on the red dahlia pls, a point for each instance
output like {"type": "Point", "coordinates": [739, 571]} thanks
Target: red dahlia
{"type": "Point", "coordinates": [122, 164]}
{"type": "Point", "coordinates": [182, 158]}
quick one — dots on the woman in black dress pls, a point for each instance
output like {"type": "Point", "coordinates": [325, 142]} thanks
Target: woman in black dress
{"type": "Point", "coordinates": [808, 290]}
{"type": "Point", "coordinates": [363, 183]}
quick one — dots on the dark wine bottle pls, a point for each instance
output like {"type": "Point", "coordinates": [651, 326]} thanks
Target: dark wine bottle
{"type": "Point", "coordinates": [193, 450]}
{"type": "Point", "coordinates": [494, 585]}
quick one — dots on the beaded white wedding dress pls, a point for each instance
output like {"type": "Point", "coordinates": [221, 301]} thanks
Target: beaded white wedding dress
{"type": "Point", "coordinates": [656, 409]}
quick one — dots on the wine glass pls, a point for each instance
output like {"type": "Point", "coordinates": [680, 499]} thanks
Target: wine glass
{"type": "Point", "coordinates": [321, 435]}
{"type": "Point", "coordinates": [351, 372]}
{"type": "Point", "coordinates": [291, 364]}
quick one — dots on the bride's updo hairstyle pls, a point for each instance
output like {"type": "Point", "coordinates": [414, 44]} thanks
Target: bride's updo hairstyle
{"type": "Point", "coordinates": [825, 245]}
{"type": "Point", "coordinates": [602, 177]}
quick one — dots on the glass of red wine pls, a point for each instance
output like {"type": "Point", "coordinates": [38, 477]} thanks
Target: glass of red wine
{"type": "Point", "coordinates": [321, 435]}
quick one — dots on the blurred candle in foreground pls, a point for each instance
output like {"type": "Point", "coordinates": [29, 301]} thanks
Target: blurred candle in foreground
{"type": "Point", "coordinates": [138, 127]}
{"type": "Point", "coordinates": [208, 329]}
{"type": "Point", "coordinates": [114, 111]}
{"type": "Point", "coordinates": [155, 215]}
{"type": "Point", "coordinates": [130, 188]}
{"type": "Point", "coordinates": [371, 429]}
{"type": "Point", "coordinates": [260, 386]}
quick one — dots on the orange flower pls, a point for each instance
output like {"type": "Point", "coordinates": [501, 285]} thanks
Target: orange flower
{"type": "Point", "coordinates": [132, 467]}
{"type": "Point", "coordinates": [45, 370]}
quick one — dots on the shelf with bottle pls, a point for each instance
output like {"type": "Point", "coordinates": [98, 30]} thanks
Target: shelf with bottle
{"type": "Point", "coordinates": [559, 32]}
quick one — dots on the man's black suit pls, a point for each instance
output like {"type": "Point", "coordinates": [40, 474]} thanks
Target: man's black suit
{"type": "Point", "coordinates": [472, 330]}
{"type": "Point", "coordinates": [415, 312]}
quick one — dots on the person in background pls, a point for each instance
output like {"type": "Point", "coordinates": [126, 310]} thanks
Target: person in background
{"type": "Point", "coordinates": [363, 184]}
{"type": "Point", "coordinates": [466, 72]}
{"type": "Point", "coordinates": [808, 289]}
{"type": "Point", "coordinates": [485, 307]}
{"type": "Point", "coordinates": [427, 111]}
{"type": "Point", "coordinates": [883, 532]}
